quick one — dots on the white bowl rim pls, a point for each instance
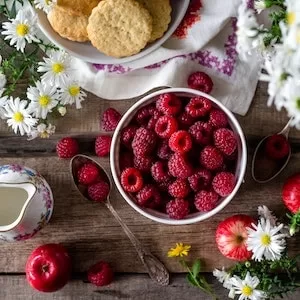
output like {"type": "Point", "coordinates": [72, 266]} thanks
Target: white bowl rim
{"type": "Point", "coordinates": [224, 202]}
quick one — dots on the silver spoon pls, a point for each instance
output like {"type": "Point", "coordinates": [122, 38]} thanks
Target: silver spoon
{"type": "Point", "coordinates": [254, 170]}
{"type": "Point", "coordinates": [157, 271]}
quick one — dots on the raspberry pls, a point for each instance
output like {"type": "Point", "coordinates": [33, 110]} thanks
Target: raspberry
{"type": "Point", "coordinates": [100, 274]}
{"type": "Point", "coordinates": [217, 118]}
{"type": "Point", "coordinates": [206, 200]}
{"type": "Point", "coordinates": [163, 150]}
{"type": "Point", "coordinates": [223, 183]}
{"type": "Point", "coordinates": [67, 147]}
{"type": "Point", "coordinates": [143, 142]}
{"type": "Point", "coordinates": [164, 185]}
{"type": "Point", "coordinates": [132, 180]}
{"type": "Point", "coordinates": [145, 113]}
{"type": "Point", "coordinates": [198, 107]}
{"type": "Point", "coordinates": [225, 140]}
{"type": "Point", "coordinates": [159, 171]}
{"type": "Point", "coordinates": [102, 145]}
{"type": "Point", "coordinates": [186, 120]}
{"type": "Point", "coordinates": [179, 166]}
{"type": "Point", "coordinates": [178, 208]}
{"type": "Point", "coordinates": [99, 191]}
{"type": "Point", "coordinates": [152, 122]}
{"type": "Point", "coordinates": [110, 119]}
{"type": "Point", "coordinates": [179, 188]}
{"type": "Point", "coordinates": [148, 196]}
{"type": "Point", "coordinates": [143, 163]}
{"type": "Point", "coordinates": [277, 146]}
{"type": "Point", "coordinates": [180, 141]}
{"type": "Point", "coordinates": [201, 133]}
{"type": "Point", "coordinates": [88, 174]}
{"type": "Point", "coordinates": [166, 126]}
{"type": "Point", "coordinates": [200, 81]}
{"type": "Point", "coordinates": [211, 158]}
{"type": "Point", "coordinates": [126, 160]}
{"type": "Point", "coordinates": [200, 180]}
{"type": "Point", "coordinates": [127, 135]}
{"type": "Point", "coordinates": [168, 104]}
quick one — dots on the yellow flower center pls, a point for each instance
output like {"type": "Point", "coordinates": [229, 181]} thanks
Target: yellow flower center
{"type": "Point", "coordinates": [18, 117]}
{"type": "Point", "coordinates": [44, 100]}
{"type": "Point", "coordinates": [291, 18]}
{"type": "Point", "coordinates": [57, 68]}
{"type": "Point", "coordinates": [74, 90]}
{"type": "Point", "coordinates": [265, 240]}
{"type": "Point", "coordinates": [48, 2]}
{"type": "Point", "coordinates": [247, 291]}
{"type": "Point", "coordinates": [22, 29]}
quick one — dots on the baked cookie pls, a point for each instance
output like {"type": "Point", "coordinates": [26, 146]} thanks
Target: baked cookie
{"type": "Point", "coordinates": [67, 25]}
{"type": "Point", "coordinates": [78, 7]}
{"type": "Point", "coordinates": [160, 11]}
{"type": "Point", "coordinates": [119, 28]}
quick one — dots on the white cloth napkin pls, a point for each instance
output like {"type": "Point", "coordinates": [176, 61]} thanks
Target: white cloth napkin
{"type": "Point", "coordinates": [209, 47]}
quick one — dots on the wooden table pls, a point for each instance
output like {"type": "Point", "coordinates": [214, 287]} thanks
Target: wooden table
{"type": "Point", "coordinates": [91, 234]}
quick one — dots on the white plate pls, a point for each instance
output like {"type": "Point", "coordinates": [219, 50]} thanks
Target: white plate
{"type": "Point", "coordinates": [88, 53]}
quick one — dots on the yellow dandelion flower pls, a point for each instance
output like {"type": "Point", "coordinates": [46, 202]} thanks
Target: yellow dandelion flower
{"type": "Point", "coordinates": [179, 250]}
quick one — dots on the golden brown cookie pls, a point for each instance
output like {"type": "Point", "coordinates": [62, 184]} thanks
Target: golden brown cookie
{"type": "Point", "coordinates": [67, 25]}
{"type": "Point", "coordinates": [78, 7]}
{"type": "Point", "coordinates": [119, 28]}
{"type": "Point", "coordinates": [160, 11]}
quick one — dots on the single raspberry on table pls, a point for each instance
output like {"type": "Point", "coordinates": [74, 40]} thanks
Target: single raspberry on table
{"type": "Point", "coordinates": [132, 180]}
{"type": "Point", "coordinates": [225, 140]}
{"type": "Point", "coordinates": [180, 141]}
{"type": "Point", "coordinates": [145, 113]}
{"type": "Point", "coordinates": [206, 200]}
{"type": "Point", "coordinates": [127, 135]}
{"type": "Point", "coordinates": [179, 166]}
{"type": "Point", "coordinates": [277, 146]}
{"type": "Point", "coordinates": [149, 196]}
{"type": "Point", "coordinates": [88, 174]}
{"type": "Point", "coordinates": [126, 160]}
{"type": "Point", "coordinates": [110, 119]}
{"type": "Point", "coordinates": [198, 107]}
{"type": "Point", "coordinates": [100, 274]}
{"type": "Point", "coordinates": [178, 208]}
{"type": "Point", "coordinates": [223, 183]}
{"type": "Point", "coordinates": [160, 172]}
{"type": "Point", "coordinates": [163, 150]}
{"type": "Point", "coordinates": [102, 145]}
{"type": "Point", "coordinates": [143, 142]}
{"type": "Point", "coordinates": [201, 133]}
{"type": "Point", "coordinates": [200, 81]}
{"type": "Point", "coordinates": [67, 147]}
{"type": "Point", "coordinates": [166, 126]}
{"type": "Point", "coordinates": [179, 188]}
{"type": "Point", "coordinates": [211, 158]}
{"type": "Point", "coordinates": [169, 104]}
{"type": "Point", "coordinates": [143, 163]}
{"type": "Point", "coordinates": [200, 180]}
{"type": "Point", "coordinates": [217, 118]}
{"type": "Point", "coordinates": [99, 191]}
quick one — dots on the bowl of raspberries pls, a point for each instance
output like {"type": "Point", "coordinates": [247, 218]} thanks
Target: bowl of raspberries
{"type": "Point", "coordinates": [178, 156]}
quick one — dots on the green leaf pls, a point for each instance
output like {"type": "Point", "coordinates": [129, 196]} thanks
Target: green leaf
{"type": "Point", "coordinates": [191, 280]}
{"type": "Point", "coordinates": [196, 267]}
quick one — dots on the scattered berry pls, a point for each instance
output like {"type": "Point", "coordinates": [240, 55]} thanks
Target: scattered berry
{"type": "Point", "coordinates": [177, 209]}
{"type": "Point", "coordinates": [132, 180]}
{"type": "Point", "coordinates": [200, 81]}
{"type": "Point", "coordinates": [102, 145]}
{"type": "Point", "coordinates": [144, 114]}
{"type": "Point", "coordinates": [67, 147]}
{"type": "Point", "coordinates": [211, 158]}
{"type": "Point", "coordinates": [159, 171]}
{"type": "Point", "coordinates": [126, 160]}
{"type": "Point", "coordinates": [206, 200]}
{"type": "Point", "coordinates": [88, 174]}
{"type": "Point", "coordinates": [143, 163]}
{"type": "Point", "coordinates": [179, 166]}
{"type": "Point", "coordinates": [225, 140]}
{"type": "Point", "coordinates": [277, 146]}
{"type": "Point", "coordinates": [201, 133]}
{"type": "Point", "coordinates": [143, 142]}
{"type": "Point", "coordinates": [99, 191]}
{"type": "Point", "coordinates": [163, 150]}
{"type": "Point", "coordinates": [223, 183]}
{"type": "Point", "coordinates": [166, 126]}
{"type": "Point", "coordinates": [168, 104]}
{"type": "Point", "coordinates": [180, 141]}
{"type": "Point", "coordinates": [110, 119]}
{"type": "Point", "coordinates": [179, 188]}
{"type": "Point", "coordinates": [198, 107]}
{"type": "Point", "coordinates": [217, 118]}
{"type": "Point", "coordinates": [127, 135]}
{"type": "Point", "coordinates": [100, 274]}
{"type": "Point", "coordinates": [200, 180]}
{"type": "Point", "coordinates": [149, 196]}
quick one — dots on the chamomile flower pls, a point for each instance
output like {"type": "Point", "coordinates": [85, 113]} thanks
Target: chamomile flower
{"type": "Point", "coordinates": [223, 277]}
{"type": "Point", "coordinates": [42, 130]}
{"type": "Point", "coordinates": [71, 93]}
{"type": "Point", "coordinates": [293, 12]}
{"type": "Point", "coordinates": [44, 98]}
{"type": "Point", "coordinates": [259, 5]}
{"type": "Point", "coordinates": [246, 288]}
{"type": "Point", "coordinates": [45, 5]}
{"type": "Point", "coordinates": [266, 241]}
{"type": "Point", "coordinates": [22, 29]}
{"type": "Point", "coordinates": [179, 250]}
{"type": "Point", "coordinates": [57, 68]}
{"type": "Point", "coordinates": [18, 116]}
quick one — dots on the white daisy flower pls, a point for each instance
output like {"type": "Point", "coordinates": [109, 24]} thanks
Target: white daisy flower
{"type": "Point", "coordinates": [265, 241]}
{"type": "Point", "coordinates": [42, 130]}
{"type": "Point", "coordinates": [246, 288]}
{"type": "Point", "coordinates": [45, 5]}
{"type": "Point", "coordinates": [43, 98]}
{"type": "Point", "coordinates": [57, 68]}
{"type": "Point", "coordinates": [18, 116]}
{"type": "Point", "coordinates": [259, 5]}
{"type": "Point", "coordinates": [3, 102]}
{"type": "Point", "coordinates": [22, 29]}
{"type": "Point", "coordinates": [62, 110]}
{"type": "Point", "coordinates": [71, 93]}
{"type": "Point", "coordinates": [293, 12]}
{"type": "Point", "coordinates": [223, 277]}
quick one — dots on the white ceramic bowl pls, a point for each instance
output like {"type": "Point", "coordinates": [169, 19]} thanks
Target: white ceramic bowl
{"type": "Point", "coordinates": [153, 214]}
{"type": "Point", "coordinates": [88, 53]}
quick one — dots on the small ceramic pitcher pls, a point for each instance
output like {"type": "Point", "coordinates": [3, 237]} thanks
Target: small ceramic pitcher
{"type": "Point", "coordinates": [26, 202]}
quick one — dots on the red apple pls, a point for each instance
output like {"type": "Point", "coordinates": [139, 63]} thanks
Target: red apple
{"type": "Point", "coordinates": [48, 268]}
{"type": "Point", "coordinates": [231, 236]}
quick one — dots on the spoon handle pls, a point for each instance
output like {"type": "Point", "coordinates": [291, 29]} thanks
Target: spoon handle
{"type": "Point", "coordinates": [157, 271]}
